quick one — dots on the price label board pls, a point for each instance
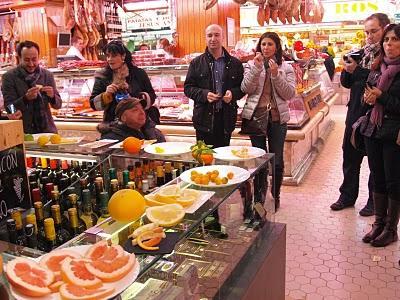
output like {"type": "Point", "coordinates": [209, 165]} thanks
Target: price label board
{"type": "Point", "coordinates": [313, 102]}
{"type": "Point", "coordinates": [14, 188]}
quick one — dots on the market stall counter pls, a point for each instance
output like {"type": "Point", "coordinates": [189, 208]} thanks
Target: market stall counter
{"type": "Point", "coordinates": [225, 238]}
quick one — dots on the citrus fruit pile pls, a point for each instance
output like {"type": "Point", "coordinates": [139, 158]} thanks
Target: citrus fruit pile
{"type": "Point", "coordinates": [211, 176]}
{"type": "Point", "coordinates": [172, 194]}
{"type": "Point", "coordinates": [203, 153]}
{"type": "Point", "coordinates": [126, 205]}
{"type": "Point", "coordinates": [28, 137]}
{"type": "Point", "coordinates": [167, 215]}
{"type": "Point", "coordinates": [68, 273]}
{"type": "Point", "coordinates": [148, 236]}
{"type": "Point", "coordinates": [132, 145]}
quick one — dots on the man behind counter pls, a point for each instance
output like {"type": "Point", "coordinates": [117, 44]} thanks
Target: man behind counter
{"type": "Point", "coordinates": [29, 89]}
{"type": "Point", "coordinates": [76, 48]}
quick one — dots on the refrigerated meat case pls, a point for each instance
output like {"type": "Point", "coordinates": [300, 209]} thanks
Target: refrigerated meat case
{"type": "Point", "coordinates": [309, 125]}
{"type": "Point", "coordinates": [241, 258]}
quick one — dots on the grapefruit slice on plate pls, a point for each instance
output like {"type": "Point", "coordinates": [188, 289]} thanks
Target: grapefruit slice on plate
{"type": "Point", "coordinates": [69, 291]}
{"type": "Point", "coordinates": [110, 271]}
{"type": "Point", "coordinates": [75, 271]}
{"type": "Point", "coordinates": [54, 259]}
{"type": "Point", "coordinates": [102, 251]}
{"type": "Point", "coordinates": [29, 278]}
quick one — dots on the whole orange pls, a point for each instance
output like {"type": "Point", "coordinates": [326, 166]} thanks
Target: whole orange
{"type": "Point", "coordinates": [132, 145]}
{"type": "Point", "coordinates": [206, 158]}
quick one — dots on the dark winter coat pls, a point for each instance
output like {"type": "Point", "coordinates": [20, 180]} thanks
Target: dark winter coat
{"type": "Point", "coordinates": [356, 83]}
{"type": "Point", "coordinates": [199, 82]}
{"type": "Point", "coordinates": [138, 82]}
{"type": "Point", "coordinates": [14, 88]}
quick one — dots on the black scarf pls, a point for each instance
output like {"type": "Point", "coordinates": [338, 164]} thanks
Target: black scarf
{"type": "Point", "coordinates": [38, 119]}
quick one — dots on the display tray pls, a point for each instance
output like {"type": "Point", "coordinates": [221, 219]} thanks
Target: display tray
{"type": "Point", "coordinates": [119, 286]}
{"type": "Point", "coordinates": [232, 153]}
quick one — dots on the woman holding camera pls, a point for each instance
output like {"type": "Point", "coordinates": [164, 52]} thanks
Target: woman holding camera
{"type": "Point", "coordinates": [270, 83]}
{"type": "Point", "coordinates": [119, 80]}
{"type": "Point", "coordinates": [382, 140]}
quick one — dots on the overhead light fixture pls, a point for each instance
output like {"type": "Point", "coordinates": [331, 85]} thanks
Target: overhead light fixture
{"type": "Point", "coordinates": [145, 5]}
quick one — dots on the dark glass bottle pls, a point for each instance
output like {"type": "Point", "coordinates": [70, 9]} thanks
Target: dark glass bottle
{"type": "Point", "coordinates": [99, 187]}
{"type": "Point", "coordinates": [104, 214]}
{"type": "Point", "coordinates": [88, 216]}
{"type": "Point", "coordinates": [131, 185]}
{"type": "Point", "coordinates": [39, 221]}
{"type": "Point", "coordinates": [31, 219]}
{"type": "Point", "coordinates": [131, 171]}
{"type": "Point", "coordinates": [62, 234]}
{"type": "Point", "coordinates": [43, 181]}
{"type": "Point", "coordinates": [12, 231]}
{"type": "Point", "coordinates": [55, 198]}
{"type": "Point", "coordinates": [160, 176]}
{"type": "Point", "coordinates": [49, 188]}
{"type": "Point", "coordinates": [73, 203]}
{"type": "Point", "coordinates": [112, 173]}
{"type": "Point", "coordinates": [50, 234]}
{"type": "Point", "coordinates": [21, 238]}
{"type": "Point", "coordinates": [113, 186]}
{"type": "Point", "coordinates": [36, 196]}
{"type": "Point", "coordinates": [53, 170]}
{"type": "Point", "coordinates": [145, 168]}
{"type": "Point", "coordinates": [73, 222]}
{"type": "Point", "coordinates": [125, 178]}
{"type": "Point", "coordinates": [168, 172]}
{"type": "Point", "coordinates": [31, 236]}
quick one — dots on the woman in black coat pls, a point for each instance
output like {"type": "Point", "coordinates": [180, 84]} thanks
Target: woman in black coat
{"type": "Point", "coordinates": [120, 79]}
{"type": "Point", "coordinates": [382, 141]}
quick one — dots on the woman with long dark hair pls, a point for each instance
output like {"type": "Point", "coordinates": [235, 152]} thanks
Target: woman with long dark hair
{"type": "Point", "coordinates": [382, 139]}
{"type": "Point", "coordinates": [119, 80]}
{"type": "Point", "coordinates": [270, 83]}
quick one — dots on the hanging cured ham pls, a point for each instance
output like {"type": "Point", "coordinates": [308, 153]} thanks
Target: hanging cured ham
{"type": "Point", "coordinates": [207, 4]}
{"type": "Point", "coordinates": [267, 13]}
{"type": "Point", "coordinates": [68, 13]}
{"type": "Point", "coordinates": [261, 15]}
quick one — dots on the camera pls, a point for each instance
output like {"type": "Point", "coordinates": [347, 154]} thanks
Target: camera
{"type": "Point", "coordinates": [356, 56]}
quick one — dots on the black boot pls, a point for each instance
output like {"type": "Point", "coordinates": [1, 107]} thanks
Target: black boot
{"type": "Point", "coordinates": [389, 234]}
{"type": "Point", "coordinates": [368, 209]}
{"type": "Point", "coordinates": [276, 187]}
{"type": "Point", "coordinates": [380, 206]}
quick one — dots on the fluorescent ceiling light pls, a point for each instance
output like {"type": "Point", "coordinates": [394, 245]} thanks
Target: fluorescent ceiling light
{"type": "Point", "coordinates": [144, 5]}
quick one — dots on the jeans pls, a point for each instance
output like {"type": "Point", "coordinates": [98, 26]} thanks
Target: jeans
{"type": "Point", "coordinates": [384, 163]}
{"type": "Point", "coordinates": [352, 160]}
{"type": "Point", "coordinates": [276, 134]}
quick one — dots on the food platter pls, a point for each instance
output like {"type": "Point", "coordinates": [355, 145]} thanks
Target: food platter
{"type": "Point", "coordinates": [145, 143]}
{"type": "Point", "coordinates": [239, 175]}
{"type": "Point", "coordinates": [168, 148]}
{"type": "Point", "coordinates": [236, 153]}
{"type": "Point", "coordinates": [70, 140]}
{"type": "Point", "coordinates": [119, 286]}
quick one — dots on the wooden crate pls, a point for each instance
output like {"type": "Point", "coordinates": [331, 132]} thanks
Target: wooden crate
{"type": "Point", "coordinates": [11, 134]}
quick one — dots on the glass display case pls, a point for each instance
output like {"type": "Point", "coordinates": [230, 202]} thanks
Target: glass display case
{"type": "Point", "coordinates": [214, 242]}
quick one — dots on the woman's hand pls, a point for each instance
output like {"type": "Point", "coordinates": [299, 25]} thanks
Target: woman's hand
{"type": "Point", "coordinates": [258, 60]}
{"type": "Point", "coordinates": [371, 94]}
{"type": "Point", "coordinates": [112, 88]}
{"type": "Point", "coordinates": [273, 66]}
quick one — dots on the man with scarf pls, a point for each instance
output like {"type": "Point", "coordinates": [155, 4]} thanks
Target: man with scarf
{"type": "Point", "coordinates": [30, 89]}
{"type": "Point", "coordinates": [354, 77]}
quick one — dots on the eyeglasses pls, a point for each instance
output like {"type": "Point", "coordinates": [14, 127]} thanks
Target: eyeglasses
{"type": "Point", "coordinates": [372, 31]}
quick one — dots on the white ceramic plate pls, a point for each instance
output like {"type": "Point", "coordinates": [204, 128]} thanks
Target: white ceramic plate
{"type": "Point", "coordinates": [119, 286]}
{"type": "Point", "coordinates": [170, 148]}
{"type": "Point", "coordinates": [145, 143]}
{"type": "Point", "coordinates": [239, 175]}
{"type": "Point", "coordinates": [225, 153]}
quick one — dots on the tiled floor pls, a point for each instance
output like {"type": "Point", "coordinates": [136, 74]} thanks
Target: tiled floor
{"type": "Point", "coordinates": [326, 258]}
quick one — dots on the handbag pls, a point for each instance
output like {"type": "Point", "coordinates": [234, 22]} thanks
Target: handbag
{"type": "Point", "coordinates": [257, 125]}
{"type": "Point", "coordinates": [357, 138]}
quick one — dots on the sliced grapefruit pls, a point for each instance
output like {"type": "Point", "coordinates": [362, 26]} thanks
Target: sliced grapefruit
{"type": "Point", "coordinates": [102, 251]}
{"type": "Point", "coordinates": [110, 271]}
{"type": "Point", "coordinates": [55, 286]}
{"type": "Point", "coordinates": [54, 259]}
{"type": "Point", "coordinates": [75, 271]}
{"type": "Point", "coordinates": [167, 215]}
{"type": "Point", "coordinates": [70, 291]}
{"type": "Point", "coordinates": [29, 278]}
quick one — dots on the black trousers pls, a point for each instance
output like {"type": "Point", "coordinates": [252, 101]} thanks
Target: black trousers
{"type": "Point", "coordinates": [384, 162]}
{"type": "Point", "coordinates": [352, 160]}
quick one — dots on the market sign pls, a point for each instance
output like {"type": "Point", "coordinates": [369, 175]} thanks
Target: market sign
{"type": "Point", "coordinates": [148, 19]}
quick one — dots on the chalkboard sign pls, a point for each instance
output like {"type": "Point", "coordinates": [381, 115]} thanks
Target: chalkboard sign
{"type": "Point", "coordinates": [14, 189]}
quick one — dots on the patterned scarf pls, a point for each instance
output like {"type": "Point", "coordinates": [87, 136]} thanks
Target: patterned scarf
{"type": "Point", "coordinates": [39, 121]}
{"type": "Point", "coordinates": [389, 69]}
{"type": "Point", "coordinates": [371, 52]}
